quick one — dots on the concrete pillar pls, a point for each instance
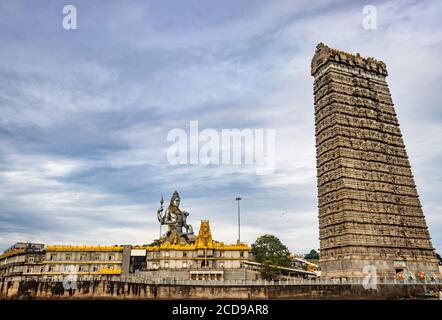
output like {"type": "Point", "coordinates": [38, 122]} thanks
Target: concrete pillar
{"type": "Point", "coordinates": [126, 260]}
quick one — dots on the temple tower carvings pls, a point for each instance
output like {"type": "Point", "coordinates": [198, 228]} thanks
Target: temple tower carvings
{"type": "Point", "coordinates": [369, 209]}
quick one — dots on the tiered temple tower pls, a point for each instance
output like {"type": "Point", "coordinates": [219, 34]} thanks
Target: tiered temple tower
{"type": "Point", "coordinates": [369, 209]}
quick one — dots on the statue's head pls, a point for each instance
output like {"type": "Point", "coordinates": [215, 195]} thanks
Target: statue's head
{"type": "Point", "coordinates": [175, 200]}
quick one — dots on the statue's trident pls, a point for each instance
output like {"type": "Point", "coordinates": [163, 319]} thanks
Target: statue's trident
{"type": "Point", "coordinates": [161, 210]}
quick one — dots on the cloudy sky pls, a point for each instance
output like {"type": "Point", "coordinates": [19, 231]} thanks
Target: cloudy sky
{"type": "Point", "coordinates": [84, 114]}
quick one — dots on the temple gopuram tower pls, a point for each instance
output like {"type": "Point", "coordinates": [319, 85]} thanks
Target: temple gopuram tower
{"type": "Point", "coordinates": [369, 209]}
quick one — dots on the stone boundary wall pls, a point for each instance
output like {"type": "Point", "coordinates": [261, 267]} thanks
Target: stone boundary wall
{"type": "Point", "coordinates": [136, 291]}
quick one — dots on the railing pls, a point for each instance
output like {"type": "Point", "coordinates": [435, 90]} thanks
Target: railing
{"type": "Point", "coordinates": [291, 282]}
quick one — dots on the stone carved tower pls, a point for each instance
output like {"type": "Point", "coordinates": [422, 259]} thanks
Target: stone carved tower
{"type": "Point", "coordinates": [369, 209]}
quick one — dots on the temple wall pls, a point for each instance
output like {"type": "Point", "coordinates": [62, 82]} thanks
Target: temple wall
{"type": "Point", "coordinates": [177, 274]}
{"type": "Point", "coordinates": [121, 290]}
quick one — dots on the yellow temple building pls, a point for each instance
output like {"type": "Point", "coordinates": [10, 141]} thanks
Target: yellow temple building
{"type": "Point", "coordinates": [205, 259]}
{"type": "Point", "coordinates": [202, 259]}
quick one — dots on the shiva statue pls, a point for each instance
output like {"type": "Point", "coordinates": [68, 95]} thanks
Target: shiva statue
{"type": "Point", "coordinates": [176, 220]}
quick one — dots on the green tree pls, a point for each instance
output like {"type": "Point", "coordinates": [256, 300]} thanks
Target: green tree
{"type": "Point", "coordinates": [267, 271]}
{"type": "Point", "coordinates": [269, 250]}
{"type": "Point", "coordinates": [313, 255]}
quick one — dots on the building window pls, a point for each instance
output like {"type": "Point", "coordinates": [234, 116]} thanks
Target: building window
{"type": "Point", "coordinates": [82, 257]}
{"type": "Point", "coordinates": [184, 264]}
{"type": "Point", "coordinates": [221, 264]}
{"type": "Point", "coordinates": [154, 266]}
{"type": "Point", "coordinates": [166, 253]}
{"type": "Point", "coordinates": [42, 269]}
{"type": "Point", "coordinates": [111, 257]}
{"type": "Point", "coordinates": [97, 257]}
{"type": "Point", "coordinates": [53, 257]}
{"type": "Point", "coordinates": [31, 259]}
{"type": "Point", "coordinates": [51, 268]}
{"type": "Point", "coordinates": [82, 268]}
{"type": "Point", "coordinates": [241, 254]}
{"type": "Point", "coordinates": [221, 254]}
{"type": "Point", "coordinates": [95, 268]}
{"type": "Point", "coordinates": [68, 257]}
{"type": "Point", "coordinates": [166, 264]}
{"type": "Point", "coordinates": [184, 254]}
{"type": "Point", "coordinates": [29, 270]}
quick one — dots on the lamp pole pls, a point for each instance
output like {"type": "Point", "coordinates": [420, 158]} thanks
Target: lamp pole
{"type": "Point", "coordinates": [239, 219]}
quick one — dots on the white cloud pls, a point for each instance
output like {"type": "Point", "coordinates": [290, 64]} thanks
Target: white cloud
{"type": "Point", "coordinates": [86, 123]}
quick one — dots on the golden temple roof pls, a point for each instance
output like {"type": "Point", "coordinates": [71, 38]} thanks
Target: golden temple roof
{"type": "Point", "coordinates": [203, 241]}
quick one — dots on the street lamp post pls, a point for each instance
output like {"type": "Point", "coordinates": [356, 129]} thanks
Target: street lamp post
{"type": "Point", "coordinates": [239, 220]}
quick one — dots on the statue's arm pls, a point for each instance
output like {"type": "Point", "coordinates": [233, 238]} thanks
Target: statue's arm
{"type": "Point", "coordinates": [160, 218]}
